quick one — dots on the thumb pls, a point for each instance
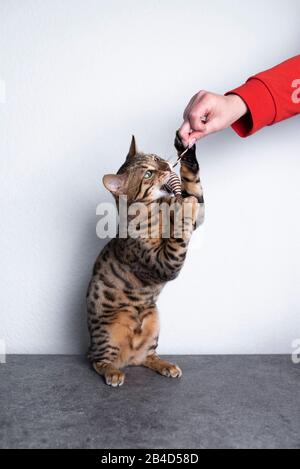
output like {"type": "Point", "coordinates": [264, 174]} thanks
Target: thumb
{"type": "Point", "coordinates": [194, 136]}
{"type": "Point", "coordinates": [184, 132]}
{"type": "Point", "coordinates": [208, 128]}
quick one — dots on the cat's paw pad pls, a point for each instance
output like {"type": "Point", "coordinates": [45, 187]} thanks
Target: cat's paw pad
{"type": "Point", "coordinates": [171, 371]}
{"type": "Point", "coordinates": [114, 378]}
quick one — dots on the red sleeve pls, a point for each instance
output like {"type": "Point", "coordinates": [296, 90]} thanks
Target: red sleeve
{"type": "Point", "coordinates": [271, 96]}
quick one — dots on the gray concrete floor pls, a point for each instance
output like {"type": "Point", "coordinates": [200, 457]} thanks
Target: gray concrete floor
{"type": "Point", "coordinates": [220, 402]}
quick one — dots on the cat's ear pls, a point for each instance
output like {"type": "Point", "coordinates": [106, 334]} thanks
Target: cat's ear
{"type": "Point", "coordinates": [132, 149]}
{"type": "Point", "coordinates": [115, 183]}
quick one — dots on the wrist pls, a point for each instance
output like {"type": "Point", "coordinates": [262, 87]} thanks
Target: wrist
{"type": "Point", "coordinates": [238, 106]}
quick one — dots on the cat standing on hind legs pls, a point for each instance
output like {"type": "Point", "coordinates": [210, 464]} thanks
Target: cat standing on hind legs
{"type": "Point", "coordinates": [130, 273]}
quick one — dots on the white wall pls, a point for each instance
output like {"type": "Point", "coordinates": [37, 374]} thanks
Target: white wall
{"type": "Point", "coordinates": [81, 76]}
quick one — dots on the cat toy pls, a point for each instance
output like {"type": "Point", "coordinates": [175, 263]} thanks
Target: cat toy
{"type": "Point", "coordinates": [174, 183]}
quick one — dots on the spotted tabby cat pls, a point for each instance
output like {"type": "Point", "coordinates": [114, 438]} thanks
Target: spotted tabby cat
{"type": "Point", "coordinates": [129, 274]}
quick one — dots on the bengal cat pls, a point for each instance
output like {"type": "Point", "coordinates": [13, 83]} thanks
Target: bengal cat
{"type": "Point", "coordinates": [130, 273]}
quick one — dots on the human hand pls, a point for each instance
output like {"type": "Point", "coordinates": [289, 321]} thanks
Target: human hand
{"type": "Point", "coordinates": [207, 113]}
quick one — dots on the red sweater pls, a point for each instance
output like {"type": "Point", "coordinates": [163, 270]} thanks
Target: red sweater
{"type": "Point", "coordinates": [271, 96]}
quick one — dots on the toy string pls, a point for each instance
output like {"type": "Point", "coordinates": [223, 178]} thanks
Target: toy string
{"type": "Point", "coordinates": [180, 156]}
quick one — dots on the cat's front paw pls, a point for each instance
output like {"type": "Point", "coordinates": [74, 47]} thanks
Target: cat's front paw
{"type": "Point", "coordinates": [171, 371]}
{"type": "Point", "coordinates": [114, 378]}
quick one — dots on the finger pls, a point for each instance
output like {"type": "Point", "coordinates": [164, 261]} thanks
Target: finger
{"type": "Point", "coordinates": [209, 128]}
{"type": "Point", "coordinates": [189, 107]}
{"type": "Point", "coordinates": [194, 136]}
{"type": "Point", "coordinates": [212, 126]}
{"type": "Point", "coordinates": [184, 132]}
{"type": "Point", "coordinates": [196, 121]}
{"type": "Point", "coordinates": [196, 98]}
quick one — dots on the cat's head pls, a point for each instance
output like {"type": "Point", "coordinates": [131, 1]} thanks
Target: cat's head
{"type": "Point", "coordinates": [141, 178]}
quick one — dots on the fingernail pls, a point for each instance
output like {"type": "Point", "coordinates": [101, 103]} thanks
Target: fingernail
{"type": "Point", "coordinates": [192, 142]}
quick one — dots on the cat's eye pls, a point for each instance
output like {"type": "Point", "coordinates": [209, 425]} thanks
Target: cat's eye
{"type": "Point", "coordinates": [148, 174]}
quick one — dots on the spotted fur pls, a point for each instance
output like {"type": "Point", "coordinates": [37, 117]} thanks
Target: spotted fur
{"type": "Point", "coordinates": [129, 274]}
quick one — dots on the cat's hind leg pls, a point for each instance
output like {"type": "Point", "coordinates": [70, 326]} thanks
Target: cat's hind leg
{"type": "Point", "coordinates": [105, 358]}
{"type": "Point", "coordinates": [110, 349]}
{"type": "Point", "coordinates": [163, 367]}
{"type": "Point", "coordinates": [112, 375]}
